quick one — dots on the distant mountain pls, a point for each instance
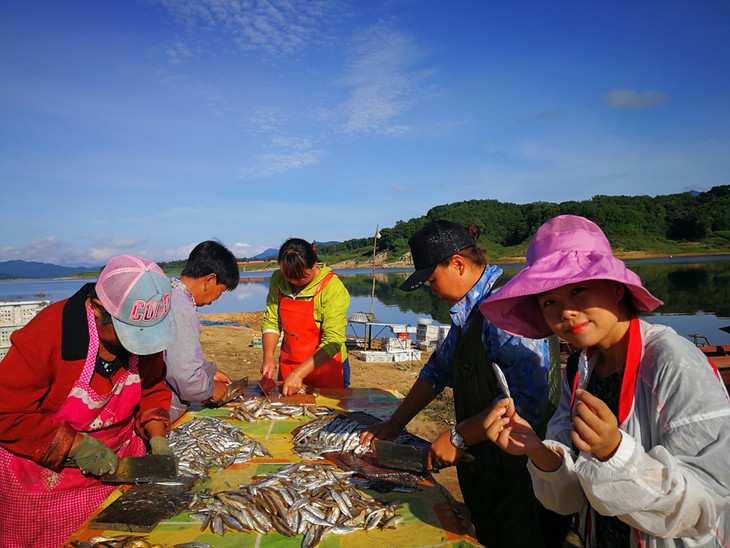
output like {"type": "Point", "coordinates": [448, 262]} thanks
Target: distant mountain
{"type": "Point", "coordinates": [272, 253]}
{"type": "Point", "coordinates": [10, 270]}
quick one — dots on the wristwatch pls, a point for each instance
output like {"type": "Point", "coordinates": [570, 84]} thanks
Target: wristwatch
{"type": "Point", "coordinates": [457, 440]}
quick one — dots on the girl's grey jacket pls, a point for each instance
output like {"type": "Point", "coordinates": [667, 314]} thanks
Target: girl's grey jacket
{"type": "Point", "coordinates": [670, 476]}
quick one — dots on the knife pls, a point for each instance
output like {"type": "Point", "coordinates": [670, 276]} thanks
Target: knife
{"type": "Point", "coordinates": [407, 457]}
{"type": "Point", "coordinates": [144, 469]}
{"type": "Point", "coordinates": [235, 389]}
{"type": "Point", "coordinates": [267, 386]}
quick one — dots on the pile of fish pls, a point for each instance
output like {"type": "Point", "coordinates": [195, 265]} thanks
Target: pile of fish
{"type": "Point", "coordinates": [208, 441]}
{"type": "Point", "coordinates": [128, 541]}
{"type": "Point", "coordinates": [261, 409]}
{"type": "Point", "coordinates": [308, 499]}
{"type": "Point", "coordinates": [332, 433]}
{"type": "Point", "coordinates": [121, 541]}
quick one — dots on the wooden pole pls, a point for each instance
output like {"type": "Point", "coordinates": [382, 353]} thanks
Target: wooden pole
{"type": "Point", "coordinates": [375, 243]}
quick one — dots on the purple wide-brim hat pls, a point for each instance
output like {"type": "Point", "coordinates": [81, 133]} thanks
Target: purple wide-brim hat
{"type": "Point", "coordinates": [565, 250]}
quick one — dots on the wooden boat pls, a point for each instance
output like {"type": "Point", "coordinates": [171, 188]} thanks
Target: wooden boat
{"type": "Point", "coordinates": [719, 356]}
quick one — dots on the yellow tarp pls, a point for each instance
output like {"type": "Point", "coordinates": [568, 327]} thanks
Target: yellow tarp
{"type": "Point", "coordinates": [429, 519]}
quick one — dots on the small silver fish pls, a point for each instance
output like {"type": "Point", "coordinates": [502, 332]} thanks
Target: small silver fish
{"type": "Point", "coordinates": [501, 379]}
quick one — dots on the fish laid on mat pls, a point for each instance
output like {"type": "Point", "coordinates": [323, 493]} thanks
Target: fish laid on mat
{"type": "Point", "coordinates": [332, 433]}
{"type": "Point", "coordinates": [121, 541]}
{"type": "Point", "coordinates": [308, 499]}
{"type": "Point", "coordinates": [208, 441]}
{"type": "Point", "coordinates": [261, 409]}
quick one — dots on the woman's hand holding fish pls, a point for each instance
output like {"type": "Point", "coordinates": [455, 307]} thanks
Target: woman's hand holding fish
{"type": "Point", "coordinates": [386, 430]}
{"type": "Point", "coordinates": [595, 428]}
{"type": "Point", "coordinates": [292, 383]}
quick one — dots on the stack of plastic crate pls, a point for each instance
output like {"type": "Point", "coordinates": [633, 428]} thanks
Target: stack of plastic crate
{"type": "Point", "coordinates": [426, 334]}
{"type": "Point", "coordinates": [14, 315]}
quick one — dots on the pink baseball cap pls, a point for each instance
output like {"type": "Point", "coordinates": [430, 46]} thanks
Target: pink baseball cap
{"type": "Point", "coordinates": [136, 293]}
{"type": "Point", "coordinates": [565, 250]}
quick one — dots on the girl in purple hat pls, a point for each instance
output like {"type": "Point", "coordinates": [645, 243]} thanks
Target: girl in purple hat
{"type": "Point", "coordinates": [641, 439]}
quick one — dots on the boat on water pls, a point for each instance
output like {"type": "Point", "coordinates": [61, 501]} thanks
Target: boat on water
{"type": "Point", "coordinates": [719, 356]}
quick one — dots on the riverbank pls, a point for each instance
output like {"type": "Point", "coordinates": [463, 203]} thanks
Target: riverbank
{"type": "Point", "coordinates": [381, 261]}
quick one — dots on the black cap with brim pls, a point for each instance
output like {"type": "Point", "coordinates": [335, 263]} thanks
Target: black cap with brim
{"type": "Point", "coordinates": [434, 243]}
{"type": "Point", "coordinates": [418, 278]}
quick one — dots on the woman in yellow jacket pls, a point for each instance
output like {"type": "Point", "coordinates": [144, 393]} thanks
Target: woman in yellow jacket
{"type": "Point", "coordinates": [308, 303]}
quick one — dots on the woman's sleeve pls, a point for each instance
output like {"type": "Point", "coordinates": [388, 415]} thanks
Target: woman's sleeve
{"type": "Point", "coordinates": [156, 396]}
{"type": "Point", "coordinates": [438, 370]}
{"type": "Point", "coordinates": [561, 490]}
{"type": "Point", "coordinates": [26, 374]}
{"type": "Point", "coordinates": [335, 301]}
{"type": "Point", "coordinates": [271, 317]}
{"type": "Point", "coordinates": [188, 372]}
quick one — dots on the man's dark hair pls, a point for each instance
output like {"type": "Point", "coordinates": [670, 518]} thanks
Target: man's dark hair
{"type": "Point", "coordinates": [296, 256]}
{"type": "Point", "coordinates": [211, 257]}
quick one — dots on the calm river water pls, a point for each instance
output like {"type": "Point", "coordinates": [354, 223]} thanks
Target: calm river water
{"type": "Point", "coordinates": [695, 291]}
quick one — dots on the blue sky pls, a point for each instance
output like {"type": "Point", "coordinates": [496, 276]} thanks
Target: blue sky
{"type": "Point", "coordinates": [146, 126]}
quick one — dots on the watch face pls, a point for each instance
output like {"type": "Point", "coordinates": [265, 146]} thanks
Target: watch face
{"type": "Point", "coordinates": [456, 439]}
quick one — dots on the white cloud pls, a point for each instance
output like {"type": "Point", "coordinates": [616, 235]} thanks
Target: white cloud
{"type": "Point", "coordinates": [278, 27]}
{"type": "Point", "coordinates": [55, 250]}
{"type": "Point", "coordinates": [268, 165]}
{"type": "Point", "coordinates": [631, 99]}
{"type": "Point", "coordinates": [178, 51]}
{"type": "Point", "coordinates": [383, 80]}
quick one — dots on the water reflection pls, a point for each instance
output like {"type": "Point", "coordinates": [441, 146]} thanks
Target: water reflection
{"type": "Point", "coordinates": [696, 295]}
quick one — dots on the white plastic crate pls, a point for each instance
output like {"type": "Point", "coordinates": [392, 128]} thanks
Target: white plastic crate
{"type": "Point", "coordinates": [3, 352]}
{"type": "Point", "coordinates": [373, 356]}
{"type": "Point", "coordinates": [427, 346]}
{"type": "Point", "coordinates": [427, 333]}
{"type": "Point", "coordinates": [5, 332]}
{"type": "Point", "coordinates": [398, 328]}
{"type": "Point", "coordinates": [392, 344]}
{"type": "Point", "coordinates": [406, 356]}
{"type": "Point", "coordinates": [20, 313]}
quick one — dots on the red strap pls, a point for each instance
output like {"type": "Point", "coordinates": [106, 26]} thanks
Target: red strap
{"type": "Point", "coordinates": [631, 370]}
{"type": "Point", "coordinates": [575, 387]}
{"type": "Point", "coordinates": [323, 283]}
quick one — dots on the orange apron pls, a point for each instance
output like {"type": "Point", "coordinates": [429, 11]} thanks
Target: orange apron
{"type": "Point", "coordinates": [301, 338]}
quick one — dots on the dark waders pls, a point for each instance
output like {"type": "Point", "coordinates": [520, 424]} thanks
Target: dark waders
{"type": "Point", "coordinates": [496, 486]}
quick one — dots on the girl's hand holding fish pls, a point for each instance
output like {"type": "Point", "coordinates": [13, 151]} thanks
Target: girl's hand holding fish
{"type": "Point", "coordinates": [509, 431]}
{"type": "Point", "coordinates": [515, 436]}
{"type": "Point", "coordinates": [595, 428]}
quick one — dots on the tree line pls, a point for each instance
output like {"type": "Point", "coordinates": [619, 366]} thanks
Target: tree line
{"type": "Point", "coordinates": [661, 224]}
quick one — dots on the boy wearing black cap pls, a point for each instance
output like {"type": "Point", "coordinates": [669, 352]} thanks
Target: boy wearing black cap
{"type": "Point", "coordinates": [496, 487]}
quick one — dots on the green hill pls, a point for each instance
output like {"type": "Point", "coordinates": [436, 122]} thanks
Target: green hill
{"type": "Point", "coordinates": [689, 222]}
